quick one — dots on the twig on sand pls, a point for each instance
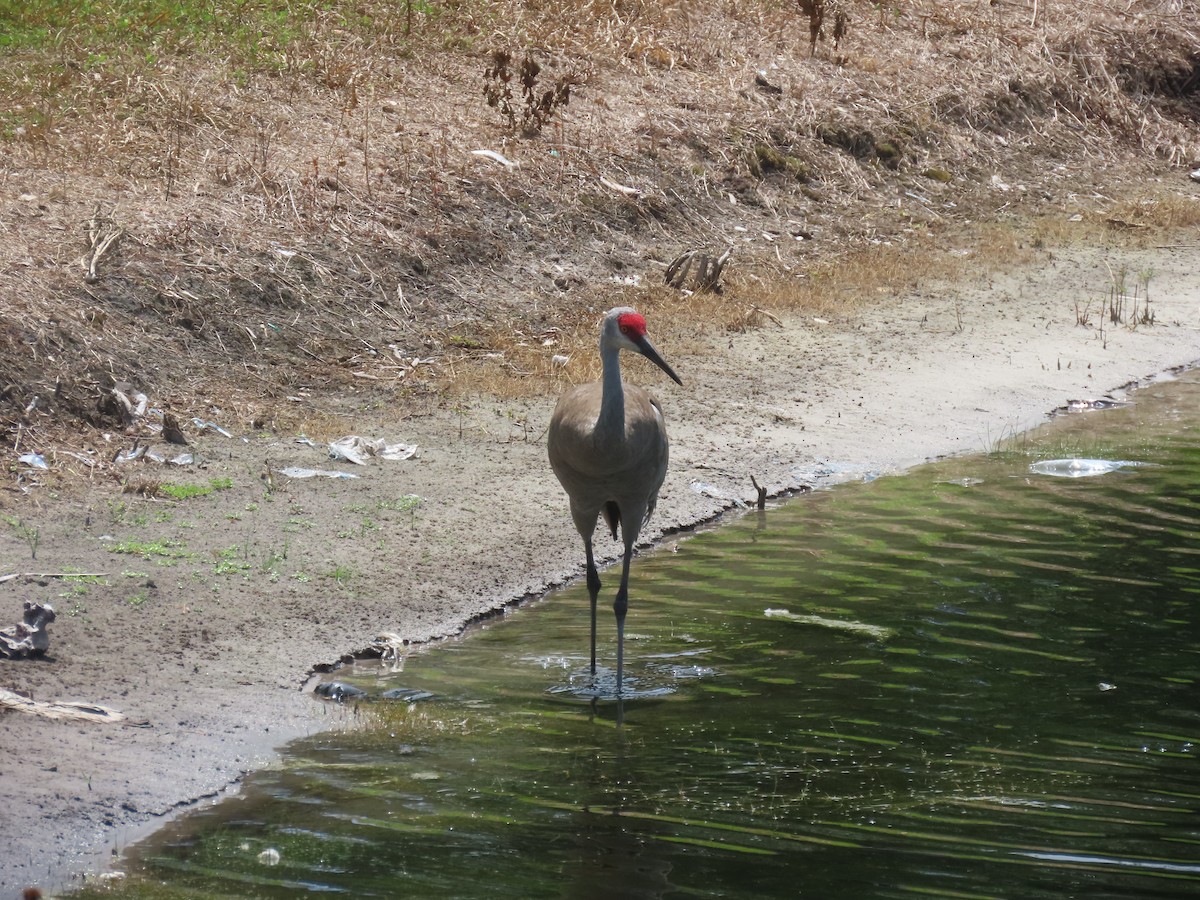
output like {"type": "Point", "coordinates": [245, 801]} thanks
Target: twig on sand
{"type": "Point", "coordinates": [773, 318]}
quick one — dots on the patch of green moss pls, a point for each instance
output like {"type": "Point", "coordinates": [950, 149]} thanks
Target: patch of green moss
{"type": "Point", "coordinates": [858, 143]}
{"type": "Point", "coordinates": [889, 154]}
{"type": "Point", "coordinates": [863, 144]}
{"type": "Point", "coordinates": [766, 159]}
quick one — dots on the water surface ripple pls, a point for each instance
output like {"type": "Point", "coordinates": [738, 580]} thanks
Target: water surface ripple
{"type": "Point", "coordinates": [969, 681]}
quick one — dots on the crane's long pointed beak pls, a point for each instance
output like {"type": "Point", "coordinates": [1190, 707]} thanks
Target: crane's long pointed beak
{"type": "Point", "coordinates": [647, 350]}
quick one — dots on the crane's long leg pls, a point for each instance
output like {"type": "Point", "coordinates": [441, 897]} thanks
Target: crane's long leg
{"type": "Point", "coordinates": [620, 607]}
{"type": "Point", "coordinates": [593, 583]}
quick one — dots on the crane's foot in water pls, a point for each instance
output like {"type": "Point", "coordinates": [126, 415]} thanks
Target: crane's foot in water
{"type": "Point", "coordinates": [602, 685]}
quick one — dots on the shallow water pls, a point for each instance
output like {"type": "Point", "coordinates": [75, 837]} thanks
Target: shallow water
{"type": "Point", "coordinates": [969, 681]}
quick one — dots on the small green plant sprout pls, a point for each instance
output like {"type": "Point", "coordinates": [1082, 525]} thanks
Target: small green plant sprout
{"type": "Point", "coordinates": [340, 574]}
{"type": "Point", "coordinates": [137, 599]}
{"type": "Point", "coordinates": [150, 549]}
{"type": "Point", "coordinates": [462, 414]}
{"type": "Point", "coordinates": [28, 533]}
{"type": "Point", "coordinates": [74, 590]}
{"type": "Point", "coordinates": [404, 503]}
{"type": "Point", "coordinates": [189, 491]}
{"type": "Point", "coordinates": [273, 559]}
{"type": "Point", "coordinates": [184, 491]}
{"type": "Point", "coordinates": [408, 503]}
{"type": "Point", "coordinates": [83, 578]}
{"type": "Point", "coordinates": [1128, 299]}
{"type": "Point", "coordinates": [231, 561]}
{"type": "Point", "coordinates": [1118, 295]}
{"type": "Point", "coordinates": [79, 585]}
{"type": "Point", "coordinates": [1146, 316]}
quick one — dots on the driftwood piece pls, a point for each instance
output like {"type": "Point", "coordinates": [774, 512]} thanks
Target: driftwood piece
{"type": "Point", "coordinates": [707, 270]}
{"type": "Point", "coordinates": [29, 637]}
{"type": "Point", "coordinates": [125, 403]}
{"type": "Point", "coordinates": [61, 709]}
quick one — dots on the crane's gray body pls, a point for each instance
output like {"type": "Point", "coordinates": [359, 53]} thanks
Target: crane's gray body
{"type": "Point", "coordinates": [608, 446]}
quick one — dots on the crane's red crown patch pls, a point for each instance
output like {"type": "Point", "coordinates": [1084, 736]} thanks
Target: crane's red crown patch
{"type": "Point", "coordinates": [632, 324]}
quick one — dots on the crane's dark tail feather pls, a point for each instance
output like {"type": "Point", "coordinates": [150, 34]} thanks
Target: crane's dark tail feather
{"type": "Point", "coordinates": [612, 516]}
{"type": "Point", "coordinates": [650, 507]}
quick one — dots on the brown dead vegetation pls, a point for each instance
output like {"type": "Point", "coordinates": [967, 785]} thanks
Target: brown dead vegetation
{"type": "Point", "coordinates": [325, 238]}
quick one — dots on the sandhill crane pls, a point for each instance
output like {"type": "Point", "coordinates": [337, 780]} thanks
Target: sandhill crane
{"type": "Point", "coordinates": [608, 447]}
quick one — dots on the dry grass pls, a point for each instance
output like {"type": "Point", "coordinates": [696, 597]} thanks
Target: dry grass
{"type": "Point", "coordinates": [306, 230]}
{"type": "Point", "coordinates": [1155, 213]}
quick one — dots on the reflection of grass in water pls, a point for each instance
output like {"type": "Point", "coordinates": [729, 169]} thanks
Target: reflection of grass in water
{"type": "Point", "coordinates": [410, 722]}
{"type": "Point", "coordinates": [136, 890]}
{"type": "Point", "coordinates": [1113, 433]}
{"type": "Point", "coordinates": [803, 784]}
{"type": "Point", "coordinates": [1020, 447]}
{"type": "Point", "coordinates": [1013, 447]}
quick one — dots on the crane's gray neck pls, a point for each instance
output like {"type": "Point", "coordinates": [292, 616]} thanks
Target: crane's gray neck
{"type": "Point", "coordinates": [612, 394]}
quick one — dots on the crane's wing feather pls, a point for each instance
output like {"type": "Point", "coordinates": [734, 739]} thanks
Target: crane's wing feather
{"type": "Point", "coordinates": [625, 470]}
